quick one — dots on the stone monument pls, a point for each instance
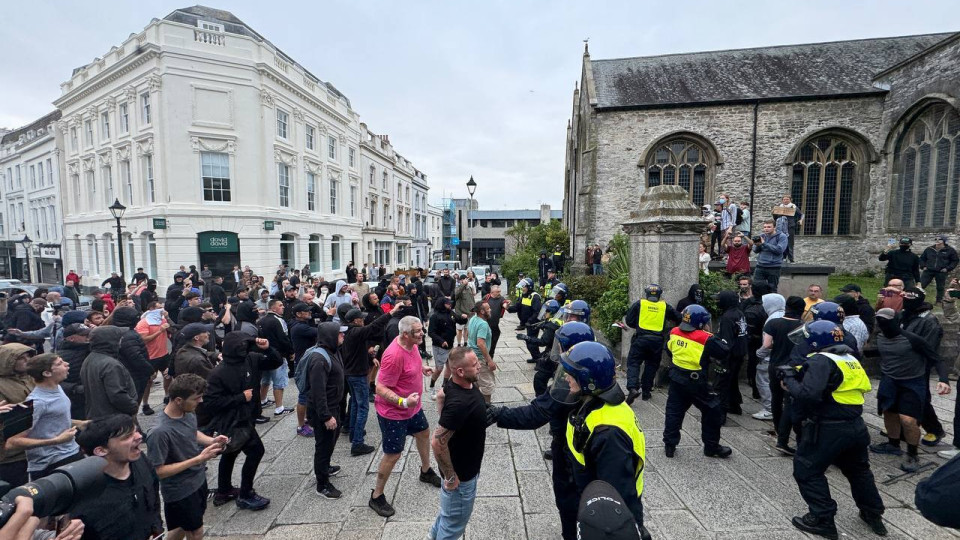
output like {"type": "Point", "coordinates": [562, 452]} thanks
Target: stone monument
{"type": "Point", "coordinates": [664, 235]}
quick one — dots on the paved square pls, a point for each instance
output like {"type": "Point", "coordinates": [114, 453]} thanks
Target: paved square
{"type": "Point", "coordinates": [751, 496]}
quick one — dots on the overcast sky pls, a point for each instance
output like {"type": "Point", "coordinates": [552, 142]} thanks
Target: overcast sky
{"type": "Point", "coordinates": [480, 89]}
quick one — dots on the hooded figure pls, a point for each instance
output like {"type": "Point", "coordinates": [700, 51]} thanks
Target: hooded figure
{"type": "Point", "coordinates": [14, 388]}
{"type": "Point", "coordinates": [774, 304]}
{"type": "Point", "coordinates": [341, 295]}
{"type": "Point", "coordinates": [174, 297]}
{"type": "Point", "coordinates": [148, 295]}
{"type": "Point", "coordinates": [74, 353]}
{"type": "Point", "coordinates": [326, 382]}
{"type": "Point", "coordinates": [107, 385]}
{"type": "Point", "coordinates": [133, 351]}
{"type": "Point", "coordinates": [732, 328]}
{"type": "Point", "coordinates": [917, 318]}
{"type": "Point", "coordinates": [225, 407]}
{"type": "Point", "coordinates": [694, 296]}
{"type": "Point", "coordinates": [246, 322]}
{"type": "Point", "coordinates": [442, 328]}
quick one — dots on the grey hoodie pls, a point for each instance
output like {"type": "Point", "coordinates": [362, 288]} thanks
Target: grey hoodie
{"type": "Point", "coordinates": [336, 299]}
{"type": "Point", "coordinates": [108, 386]}
{"type": "Point", "coordinates": [773, 304]}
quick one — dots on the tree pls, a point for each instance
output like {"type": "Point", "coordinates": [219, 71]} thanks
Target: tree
{"type": "Point", "coordinates": [519, 232]}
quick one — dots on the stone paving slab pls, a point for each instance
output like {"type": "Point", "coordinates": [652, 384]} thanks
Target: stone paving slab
{"type": "Point", "coordinates": [750, 496]}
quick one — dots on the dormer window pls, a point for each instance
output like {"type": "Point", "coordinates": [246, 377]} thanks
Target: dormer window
{"type": "Point", "coordinates": [209, 26]}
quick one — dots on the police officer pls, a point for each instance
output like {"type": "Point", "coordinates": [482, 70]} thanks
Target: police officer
{"type": "Point", "coordinates": [561, 293]}
{"type": "Point", "coordinates": [578, 310]}
{"type": "Point", "coordinates": [648, 316]}
{"type": "Point", "coordinates": [604, 438]}
{"type": "Point", "coordinates": [544, 265]}
{"type": "Point", "coordinates": [558, 260]}
{"type": "Point", "coordinates": [528, 311]}
{"type": "Point", "coordinates": [549, 324]}
{"type": "Point", "coordinates": [691, 346]}
{"type": "Point", "coordinates": [551, 282]}
{"type": "Point", "coordinates": [828, 389]}
{"type": "Point", "coordinates": [824, 311]}
{"type": "Point", "coordinates": [539, 412]}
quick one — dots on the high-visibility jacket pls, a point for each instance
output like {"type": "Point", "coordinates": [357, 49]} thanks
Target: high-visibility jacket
{"type": "Point", "coordinates": [855, 382]}
{"type": "Point", "coordinates": [622, 417]}
{"type": "Point", "coordinates": [653, 315]}
{"type": "Point", "coordinates": [687, 348]}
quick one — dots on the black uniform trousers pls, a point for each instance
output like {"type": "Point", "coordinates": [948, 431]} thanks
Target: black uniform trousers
{"type": "Point", "coordinates": [844, 444]}
{"type": "Point", "coordinates": [564, 487]}
{"type": "Point", "coordinates": [324, 441]}
{"type": "Point", "coordinates": [532, 331]}
{"type": "Point", "coordinates": [782, 408]}
{"type": "Point", "coordinates": [679, 398]}
{"type": "Point", "coordinates": [729, 385]}
{"type": "Point", "coordinates": [646, 349]}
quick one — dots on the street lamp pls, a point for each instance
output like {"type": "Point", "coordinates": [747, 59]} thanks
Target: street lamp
{"type": "Point", "coordinates": [117, 210]}
{"type": "Point", "coordinates": [471, 187]}
{"type": "Point", "coordinates": [27, 243]}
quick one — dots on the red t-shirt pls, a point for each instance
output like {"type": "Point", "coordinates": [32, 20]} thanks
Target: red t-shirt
{"type": "Point", "coordinates": [400, 371]}
{"type": "Point", "coordinates": [156, 348]}
{"type": "Point", "coordinates": [738, 259]}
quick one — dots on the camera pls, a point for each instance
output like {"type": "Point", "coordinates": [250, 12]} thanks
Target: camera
{"type": "Point", "coordinates": [756, 239]}
{"type": "Point", "coordinates": [59, 492]}
{"type": "Point", "coordinates": [783, 372]}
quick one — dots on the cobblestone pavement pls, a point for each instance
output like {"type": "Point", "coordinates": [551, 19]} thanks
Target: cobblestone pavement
{"type": "Point", "coordinates": [752, 495]}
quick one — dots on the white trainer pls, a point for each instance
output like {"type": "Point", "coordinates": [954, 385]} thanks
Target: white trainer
{"type": "Point", "coordinates": [763, 415]}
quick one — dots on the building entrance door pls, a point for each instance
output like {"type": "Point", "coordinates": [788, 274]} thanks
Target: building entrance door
{"type": "Point", "coordinates": [220, 250]}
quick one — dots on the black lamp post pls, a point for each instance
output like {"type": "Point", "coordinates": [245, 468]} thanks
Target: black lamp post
{"type": "Point", "coordinates": [27, 244]}
{"type": "Point", "coordinates": [117, 210]}
{"type": "Point", "coordinates": [471, 187]}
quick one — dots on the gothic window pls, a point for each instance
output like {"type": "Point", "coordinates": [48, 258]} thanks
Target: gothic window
{"type": "Point", "coordinates": [681, 162]}
{"type": "Point", "coordinates": [824, 184]}
{"type": "Point", "coordinates": [926, 170]}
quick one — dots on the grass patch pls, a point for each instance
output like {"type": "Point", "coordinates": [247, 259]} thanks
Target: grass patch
{"type": "Point", "coordinates": [868, 284]}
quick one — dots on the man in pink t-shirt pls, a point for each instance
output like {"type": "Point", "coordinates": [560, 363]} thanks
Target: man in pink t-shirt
{"type": "Point", "coordinates": [399, 386]}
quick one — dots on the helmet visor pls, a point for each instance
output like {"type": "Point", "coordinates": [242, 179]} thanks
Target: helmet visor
{"type": "Point", "coordinates": [561, 390]}
{"type": "Point", "coordinates": [543, 313]}
{"type": "Point", "coordinates": [799, 335]}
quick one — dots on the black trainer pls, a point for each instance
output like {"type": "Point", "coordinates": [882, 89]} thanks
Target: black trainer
{"type": "Point", "coordinates": [632, 396]}
{"type": "Point", "coordinates": [786, 449]}
{"type": "Point", "coordinates": [381, 506]}
{"type": "Point", "coordinates": [361, 450]}
{"type": "Point", "coordinates": [147, 411]}
{"type": "Point", "coordinates": [333, 470]}
{"type": "Point", "coordinates": [329, 492]}
{"type": "Point", "coordinates": [548, 455]}
{"type": "Point", "coordinates": [820, 526]}
{"type": "Point", "coordinates": [430, 477]}
{"type": "Point", "coordinates": [670, 450]}
{"type": "Point", "coordinates": [875, 522]}
{"type": "Point", "coordinates": [646, 395]}
{"type": "Point", "coordinates": [220, 499]}
{"type": "Point", "coordinates": [720, 451]}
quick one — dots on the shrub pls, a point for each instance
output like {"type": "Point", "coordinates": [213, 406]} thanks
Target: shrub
{"type": "Point", "coordinates": [588, 288]}
{"type": "Point", "coordinates": [611, 307]}
{"type": "Point", "coordinates": [711, 285]}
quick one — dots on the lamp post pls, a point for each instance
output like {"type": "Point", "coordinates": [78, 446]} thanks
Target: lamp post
{"type": "Point", "coordinates": [27, 244]}
{"type": "Point", "coordinates": [117, 210]}
{"type": "Point", "coordinates": [471, 187]}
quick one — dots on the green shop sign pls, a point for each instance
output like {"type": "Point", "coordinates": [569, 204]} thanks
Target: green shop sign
{"type": "Point", "coordinates": [218, 242]}
{"type": "Point", "coordinates": [159, 223]}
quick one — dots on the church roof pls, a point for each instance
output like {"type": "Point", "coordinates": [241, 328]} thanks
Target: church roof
{"type": "Point", "coordinates": [840, 68]}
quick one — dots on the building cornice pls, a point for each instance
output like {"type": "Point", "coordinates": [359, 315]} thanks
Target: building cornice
{"type": "Point", "coordinates": [146, 53]}
{"type": "Point", "coordinates": [266, 71]}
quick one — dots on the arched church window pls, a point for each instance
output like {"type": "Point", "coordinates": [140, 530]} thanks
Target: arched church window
{"type": "Point", "coordinates": [824, 185]}
{"type": "Point", "coordinates": [926, 169]}
{"type": "Point", "coordinates": [681, 162]}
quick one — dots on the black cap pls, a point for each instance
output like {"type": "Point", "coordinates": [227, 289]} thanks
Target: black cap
{"type": "Point", "coordinates": [193, 330]}
{"type": "Point", "coordinates": [353, 314]}
{"type": "Point", "coordinates": [75, 329]}
{"type": "Point", "coordinates": [851, 287]}
{"type": "Point", "coordinates": [300, 307]}
{"type": "Point", "coordinates": [604, 516]}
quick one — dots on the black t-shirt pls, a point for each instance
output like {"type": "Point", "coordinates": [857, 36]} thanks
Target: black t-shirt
{"type": "Point", "coordinates": [782, 346]}
{"type": "Point", "coordinates": [465, 413]}
{"type": "Point", "coordinates": [126, 509]}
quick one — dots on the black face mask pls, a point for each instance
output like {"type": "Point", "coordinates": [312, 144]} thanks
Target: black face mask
{"type": "Point", "coordinates": [698, 297]}
{"type": "Point", "coordinates": [904, 247]}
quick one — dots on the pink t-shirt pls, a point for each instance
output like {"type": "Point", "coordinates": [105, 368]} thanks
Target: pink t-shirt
{"type": "Point", "coordinates": [401, 372]}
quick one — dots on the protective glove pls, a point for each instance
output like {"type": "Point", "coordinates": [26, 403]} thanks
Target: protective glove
{"type": "Point", "coordinates": [493, 414]}
{"type": "Point", "coordinates": [522, 337]}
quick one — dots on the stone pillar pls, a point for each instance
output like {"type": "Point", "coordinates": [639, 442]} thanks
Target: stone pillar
{"type": "Point", "coordinates": [664, 235]}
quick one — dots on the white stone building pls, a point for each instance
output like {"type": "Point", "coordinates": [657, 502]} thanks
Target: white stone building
{"type": "Point", "coordinates": [420, 254]}
{"type": "Point", "coordinates": [403, 173]}
{"type": "Point", "coordinates": [218, 144]}
{"type": "Point", "coordinates": [435, 231]}
{"type": "Point", "coordinates": [30, 202]}
{"type": "Point", "coordinates": [379, 223]}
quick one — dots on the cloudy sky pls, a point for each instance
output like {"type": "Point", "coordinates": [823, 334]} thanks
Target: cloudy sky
{"type": "Point", "coordinates": [481, 88]}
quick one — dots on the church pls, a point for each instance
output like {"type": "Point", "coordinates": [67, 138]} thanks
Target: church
{"type": "Point", "coordinates": [863, 135]}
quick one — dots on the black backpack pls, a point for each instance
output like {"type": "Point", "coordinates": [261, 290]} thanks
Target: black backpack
{"type": "Point", "coordinates": [739, 218]}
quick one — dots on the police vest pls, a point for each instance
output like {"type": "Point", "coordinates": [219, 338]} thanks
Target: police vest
{"type": "Point", "coordinates": [652, 315]}
{"type": "Point", "coordinates": [546, 290]}
{"type": "Point", "coordinates": [557, 254]}
{"type": "Point", "coordinates": [687, 348]}
{"type": "Point", "coordinates": [527, 300]}
{"type": "Point", "coordinates": [556, 321]}
{"type": "Point", "coordinates": [855, 382]}
{"type": "Point", "coordinates": [620, 416]}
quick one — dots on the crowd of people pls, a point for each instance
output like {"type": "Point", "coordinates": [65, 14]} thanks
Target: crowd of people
{"type": "Point", "coordinates": [223, 360]}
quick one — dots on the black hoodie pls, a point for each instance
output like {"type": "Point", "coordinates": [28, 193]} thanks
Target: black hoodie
{"type": "Point", "coordinates": [108, 387]}
{"type": "Point", "coordinates": [732, 326]}
{"type": "Point", "coordinates": [694, 296]}
{"type": "Point", "coordinates": [356, 359]}
{"type": "Point", "coordinates": [224, 405]}
{"type": "Point", "coordinates": [443, 327]}
{"type": "Point", "coordinates": [74, 354]}
{"type": "Point", "coordinates": [326, 378]}
{"type": "Point", "coordinates": [133, 350]}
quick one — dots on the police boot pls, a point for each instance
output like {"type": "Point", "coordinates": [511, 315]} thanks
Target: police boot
{"type": "Point", "coordinates": [644, 533]}
{"type": "Point", "coordinates": [632, 396]}
{"type": "Point", "coordinates": [720, 451]}
{"type": "Point", "coordinates": [812, 524]}
{"type": "Point", "coordinates": [670, 450]}
{"type": "Point", "coordinates": [875, 523]}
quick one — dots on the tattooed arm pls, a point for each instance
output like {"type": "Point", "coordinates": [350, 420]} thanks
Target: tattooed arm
{"type": "Point", "coordinates": [441, 450]}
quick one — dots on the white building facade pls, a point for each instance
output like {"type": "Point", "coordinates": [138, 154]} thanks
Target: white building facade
{"type": "Point", "coordinates": [218, 144]}
{"type": "Point", "coordinates": [379, 222]}
{"type": "Point", "coordinates": [30, 202]}
{"type": "Point", "coordinates": [422, 245]}
{"type": "Point", "coordinates": [435, 231]}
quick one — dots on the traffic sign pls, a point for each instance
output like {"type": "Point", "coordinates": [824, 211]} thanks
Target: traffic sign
{"type": "Point", "coordinates": [455, 241]}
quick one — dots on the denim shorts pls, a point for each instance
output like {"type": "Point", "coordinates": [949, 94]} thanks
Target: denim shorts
{"type": "Point", "coordinates": [395, 431]}
{"type": "Point", "coordinates": [277, 377]}
{"type": "Point", "coordinates": [440, 356]}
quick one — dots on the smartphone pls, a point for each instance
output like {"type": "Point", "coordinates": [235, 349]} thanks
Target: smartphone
{"type": "Point", "coordinates": [955, 294]}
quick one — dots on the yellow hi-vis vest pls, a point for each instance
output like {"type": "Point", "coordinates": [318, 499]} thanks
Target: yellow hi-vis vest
{"type": "Point", "coordinates": [687, 348]}
{"type": "Point", "coordinates": [620, 416]}
{"type": "Point", "coordinates": [855, 382]}
{"type": "Point", "coordinates": [652, 315]}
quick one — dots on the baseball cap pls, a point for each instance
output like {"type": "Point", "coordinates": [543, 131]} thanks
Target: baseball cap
{"type": "Point", "coordinates": [288, 288]}
{"type": "Point", "coordinates": [604, 516]}
{"type": "Point", "coordinates": [353, 314]}
{"type": "Point", "coordinates": [905, 240]}
{"type": "Point", "coordinates": [193, 330]}
{"type": "Point", "coordinates": [942, 238]}
{"type": "Point", "coordinates": [886, 313]}
{"type": "Point", "coordinates": [191, 295]}
{"type": "Point", "coordinates": [75, 329]}
{"type": "Point", "coordinates": [300, 307]}
{"type": "Point", "coordinates": [851, 287]}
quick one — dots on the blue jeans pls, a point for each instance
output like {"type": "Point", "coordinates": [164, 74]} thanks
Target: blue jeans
{"type": "Point", "coordinates": [455, 509]}
{"type": "Point", "coordinates": [770, 274]}
{"type": "Point", "coordinates": [597, 269]}
{"type": "Point", "coordinates": [359, 408]}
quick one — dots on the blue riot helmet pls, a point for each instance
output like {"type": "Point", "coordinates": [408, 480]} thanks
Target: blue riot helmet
{"type": "Point", "coordinates": [591, 369]}
{"type": "Point", "coordinates": [827, 311]}
{"type": "Point", "coordinates": [578, 308]}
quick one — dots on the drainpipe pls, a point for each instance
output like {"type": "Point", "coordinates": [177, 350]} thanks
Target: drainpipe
{"type": "Point", "coordinates": [753, 163]}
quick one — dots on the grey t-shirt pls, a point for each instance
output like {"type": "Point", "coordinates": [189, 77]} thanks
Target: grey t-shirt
{"type": "Point", "coordinates": [51, 416]}
{"type": "Point", "coordinates": [172, 441]}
